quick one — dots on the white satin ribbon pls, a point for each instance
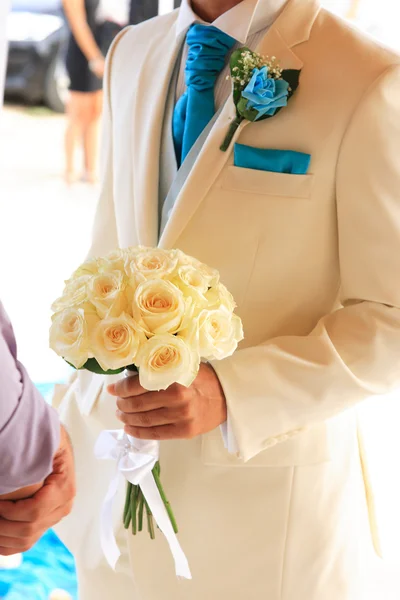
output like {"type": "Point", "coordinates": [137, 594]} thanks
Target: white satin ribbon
{"type": "Point", "coordinates": [135, 461]}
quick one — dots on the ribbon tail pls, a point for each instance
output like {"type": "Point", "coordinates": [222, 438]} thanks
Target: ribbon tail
{"type": "Point", "coordinates": [156, 505]}
{"type": "Point", "coordinates": [107, 537]}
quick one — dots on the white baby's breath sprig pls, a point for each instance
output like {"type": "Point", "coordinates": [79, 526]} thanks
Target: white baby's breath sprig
{"type": "Point", "coordinates": [243, 71]}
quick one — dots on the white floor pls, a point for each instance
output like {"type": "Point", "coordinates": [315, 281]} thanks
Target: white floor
{"type": "Point", "coordinates": [44, 230]}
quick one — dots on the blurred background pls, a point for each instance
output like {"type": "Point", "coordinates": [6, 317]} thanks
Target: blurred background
{"type": "Point", "coordinates": [54, 212]}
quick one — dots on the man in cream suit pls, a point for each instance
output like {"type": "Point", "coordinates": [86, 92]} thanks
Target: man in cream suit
{"type": "Point", "coordinates": [313, 261]}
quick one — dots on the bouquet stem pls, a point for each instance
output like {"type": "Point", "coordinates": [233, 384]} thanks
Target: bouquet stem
{"type": "Point", "coordinates": [135, 504]}
{"type": "Point", "coordinates": [150, 523]}
{"type": "Point", "coordinates": [140, 511]}
{"type": "Point", "coordinates": [156, 474]}
{"type": "Point", "coordinates": [127, 500]}
{"type": "Point", "coordinates": [231, 132]}
{"type": "Point", "coordinates": [134, 498]}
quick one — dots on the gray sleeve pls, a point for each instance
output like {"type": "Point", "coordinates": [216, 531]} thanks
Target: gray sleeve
{"type": "Point", "coordinates": [29, 428]}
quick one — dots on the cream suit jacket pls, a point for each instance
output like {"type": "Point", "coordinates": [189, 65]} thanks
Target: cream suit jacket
{"type": "Point", "coordinates": [313, 262]}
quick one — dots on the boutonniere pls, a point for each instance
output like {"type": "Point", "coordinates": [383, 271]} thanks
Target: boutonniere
{"type": "Point", "coordinates": [260, 88]}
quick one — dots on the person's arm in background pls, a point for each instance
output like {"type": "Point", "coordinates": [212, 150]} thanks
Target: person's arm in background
{"type": "Point", "coordinates": [37, 482]}
{"type": "Point", "coordinates": [76, 15]}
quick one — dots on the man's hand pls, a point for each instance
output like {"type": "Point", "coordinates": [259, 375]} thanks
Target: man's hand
{"type": "Point", "coordinates": [176, 413]}
{"type": "Point", "coordinates": [23, 522]}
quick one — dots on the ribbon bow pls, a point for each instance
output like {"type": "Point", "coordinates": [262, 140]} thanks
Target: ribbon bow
{"type": "Point", "coordinates": [135, 461]}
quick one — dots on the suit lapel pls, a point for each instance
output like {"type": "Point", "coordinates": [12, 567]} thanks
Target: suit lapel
{"type": "Point", "coordinates": [292, 27]}
{"type": "Point", "coordinates": [151, 91]}
{"type": "Point", "coordinates": [168, 162]}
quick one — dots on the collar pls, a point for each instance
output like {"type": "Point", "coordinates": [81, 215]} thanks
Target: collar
{"type": "Point", "coordinates": [245, 19]}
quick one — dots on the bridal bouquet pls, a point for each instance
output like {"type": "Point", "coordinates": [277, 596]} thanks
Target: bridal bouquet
{"type": "Point", "coordinates": [151, 311]}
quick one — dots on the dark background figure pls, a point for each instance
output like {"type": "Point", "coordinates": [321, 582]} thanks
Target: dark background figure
{"type": "Point", "coordinates": [94, 24]}
{"type": "Point", "coordinates": [141, 10]}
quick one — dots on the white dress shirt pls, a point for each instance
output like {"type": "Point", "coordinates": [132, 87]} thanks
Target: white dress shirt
{"type": "Point", "coordinates": [247, 22]}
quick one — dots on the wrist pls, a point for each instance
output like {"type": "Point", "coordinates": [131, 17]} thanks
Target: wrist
{"type": "Point", "coordinates": [96, 62]}
{"type": "Point", "coordinates": [218, 394]}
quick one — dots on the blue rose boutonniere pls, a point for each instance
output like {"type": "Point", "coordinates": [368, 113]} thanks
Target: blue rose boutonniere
{"type": "Point", "coordinates": [260, 88]}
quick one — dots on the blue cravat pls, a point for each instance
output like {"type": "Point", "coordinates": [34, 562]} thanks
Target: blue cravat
{"type": "Point", "coordinates": [208, 47]}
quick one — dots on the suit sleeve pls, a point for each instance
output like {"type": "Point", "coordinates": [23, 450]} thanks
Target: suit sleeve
{"type": "Point", "coordinates": [29, 428]}
{"type": "Point", "coordinates": [287, 384]}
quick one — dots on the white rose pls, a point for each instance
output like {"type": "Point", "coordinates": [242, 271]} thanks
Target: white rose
{"type": "Point", "coordinates": [194, 288]}
{"type": "Point", "coordinates": [167, 359]}
{"type": "Point", "coordinates": [220, 297]}
{"type": "Point", "coordinates": [115, 342]}
{"type": "Point", "coordinates": [114, 261]}
{"type": "Point", "coordinates": [219, 334]}
{"type": "Point", "coordinates": [69, 335]}
{"type": "Point", "coordinates": [74, 294]}
{"type": "Point", "coordinates": [106, 292]}
{"type": "Point", "coordinates": [150, 263]}
{"type": "Point", "coordinates": [89, 267]}
{"type": "Point", "coordinates": [159, 306]}
{"type": "Point", "coordinates": [210, 274]}
{"type": "Point", "coordinates": [192, 278]}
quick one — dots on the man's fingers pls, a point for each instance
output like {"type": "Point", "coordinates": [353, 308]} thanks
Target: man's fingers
{"type": "Point", "coordinates": [37, 508]}
{"type": "Point", "coordinates": [173, 431]}
{"type": "Point", "coordinates": [124, 388]}
{"type": "Point", "coordinates": [21, 534]}
{"type": "Point", "coordinates": [143, 403]}
{"type": "Point", "coordinates": [21, 510]}
{"type": "Point", "coordinates": [17, 529]}
{"type": "Point", "coordinates": [19, 544]}
{"type": "Point", "coordinates": [8, 551]}
{"type": "Point", "coordinates": [154, 418]}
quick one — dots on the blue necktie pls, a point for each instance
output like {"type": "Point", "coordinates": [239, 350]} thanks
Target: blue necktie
{"type": "Point", "coordinates": [208, 48]}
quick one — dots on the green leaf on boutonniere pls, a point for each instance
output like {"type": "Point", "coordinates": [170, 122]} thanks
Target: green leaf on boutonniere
{"type": "Point", "coordinates": [248, 114]}
{"type": "Point", "coordinates": [292, 76]}
{"type": "Point", "coordinates": [236, 68]}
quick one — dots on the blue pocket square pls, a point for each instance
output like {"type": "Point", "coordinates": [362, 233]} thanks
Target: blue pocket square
{"type": "Point", "coordinates": [277, 161]}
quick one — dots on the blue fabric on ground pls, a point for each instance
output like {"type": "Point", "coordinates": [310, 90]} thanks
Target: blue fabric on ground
{"type": "Point", "coordinates": [47, 566]}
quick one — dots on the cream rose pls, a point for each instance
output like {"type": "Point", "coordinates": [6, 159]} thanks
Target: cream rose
{"type": "Point", "coordinates": [89, 267]}
{"type": "Point", "coordinates": [166, 359]}
{"type": "Point", "coordinates": [192, 278]}
{"type": "Point", "coordinates": [219, 333]}
{"type": "Point", "coordinates": [150, 263]}
{"type": "Point", "coordinates": [106, 292]}
{"type": "Point", "coordinates": [69, 335]}
{"type": "Point", "coordinates": [114, 261]}
{"type": "Point", "coordinates": [74, 294]}
{"type": "Point", "coordinates": [210, 274]}
{"type": "Point", "coordinates": [159, 306]}
{"type": "Point", "coordinates": [220, 297]}
{"type": "Point", "coordinates": [115, 342]}
{"type": "Point", "coordinates": [194, 287]}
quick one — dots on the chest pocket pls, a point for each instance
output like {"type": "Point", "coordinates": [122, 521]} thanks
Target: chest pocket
{"type": "Point", "coordinates": [266, 183]}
